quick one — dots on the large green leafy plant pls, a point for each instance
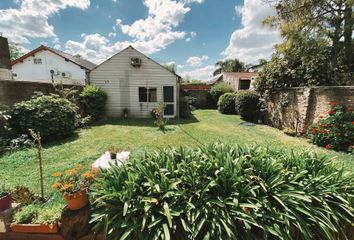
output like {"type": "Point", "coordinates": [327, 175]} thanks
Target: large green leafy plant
{"type": "Point", "coordinates": [54, 117]}
{"type": "Point", "coordinates": [93, 100]}
{"type": "Point", "coordinates": [219, 89]}
{"type": "Point", "coordinates": [247, 105]}
{"type": "Point", "coordinates": [224, 192]}
{"type": "Point", "coordinates": [335, 130]}
{"type": "Point", "coordinates": [226, 103]}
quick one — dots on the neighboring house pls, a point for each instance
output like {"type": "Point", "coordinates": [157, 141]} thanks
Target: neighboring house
{"type": "Point", "coordinates": [255, 68]}
{"type": "Point", "coordinates": [5, 63]}
{"type": "Point", "coordinates": [135, 82]}
{"type": "Point", "coordinates": [45, 64]}
{"type": "Point", "coordinates": [237, 80]}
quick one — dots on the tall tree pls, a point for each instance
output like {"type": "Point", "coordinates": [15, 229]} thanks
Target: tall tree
{"type": "Point", "coordinates": [15, 50]}
{"type": "Point", "coordinates": [171, 67]}
{"type": "Point", "coordinates": [229, 65]}
{"type": "Point", "coordinates": [330, 19]}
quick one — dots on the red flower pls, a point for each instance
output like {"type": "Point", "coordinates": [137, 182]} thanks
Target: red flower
{"type": "Point", "coordinates": [324, 131]}
{"type": "Point", "coordinates": [349, 109]}
{"type": "Point", "coordinates": [334, 127]}
{"type": "Point", "coordinates": [314, 130]}
{"type": "Point", "coordinates": [352, 122]}
{"type": "Point", "coordinates": [328, 146]}
{"type": "Point", "coordinates": [332, 103]}
{"type": "Point", "coordinates": [321, 125]}
{"type": "Point", "coordinates": [330, 112]}
{"type": "Point", "coordinates": [321, 116]}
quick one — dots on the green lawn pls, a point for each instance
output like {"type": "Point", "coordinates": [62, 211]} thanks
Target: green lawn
{"type": "Point", "coordinates": [138, 135]}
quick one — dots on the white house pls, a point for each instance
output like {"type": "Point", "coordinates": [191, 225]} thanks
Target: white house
{"type": "Point", "coordinates": [237, 80]}
{"type": "Point", "coordinates": [45, 64]}
{"type": "Point", "coordinates": [135, 82]}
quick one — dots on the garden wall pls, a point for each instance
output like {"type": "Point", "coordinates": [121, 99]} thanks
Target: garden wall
{"type": "Point", "coordinates": [297, 108]}
{"type": "Point", "coordinates": [199, 92]}
{"type": "Point", "coordinates": [16, 91]}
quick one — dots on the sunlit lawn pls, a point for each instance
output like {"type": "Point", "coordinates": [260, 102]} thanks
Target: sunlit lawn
{"type": "Point", "coordinates": [138, 135]}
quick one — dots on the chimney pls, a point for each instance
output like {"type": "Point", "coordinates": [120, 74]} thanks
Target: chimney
{"type": "Point", "coordinates": [5, 61]}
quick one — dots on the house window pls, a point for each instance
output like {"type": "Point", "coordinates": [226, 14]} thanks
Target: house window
{"type": "Point", "coordinates": [147, 94]}
{"type": "Point", "coordinates": [37, 60]}
{"type": "Point", "coordinates": [245, 84]}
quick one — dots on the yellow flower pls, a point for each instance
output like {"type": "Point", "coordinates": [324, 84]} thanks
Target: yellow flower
{"type": "Point", "coordinates": [57, 174]}
{"type": "Point", "coordinates": [79, 166]}
{"type": "Point", "coordinates": [56, 185]}
{"type": "Point", "coordinates": [70, 172]}
{"type": "Point", "coordinates": [67, 186]}
{"type": "Point", "coordinates": [88, 175]}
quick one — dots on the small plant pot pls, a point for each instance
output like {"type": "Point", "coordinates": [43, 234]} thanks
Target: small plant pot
{"type": "Point", "coordinates": [77, 200]}
{"type": "Point", "coordinates": [35, 228]}
{"type": "Point", "coordinates": [113, 155]}
{"type": "Point", "coordinates": [5, 202]}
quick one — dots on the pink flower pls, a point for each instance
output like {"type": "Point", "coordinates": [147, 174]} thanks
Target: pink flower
{"type": "Point", "coordinates": [328, 146]}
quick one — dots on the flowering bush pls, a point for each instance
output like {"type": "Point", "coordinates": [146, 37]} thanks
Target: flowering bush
{"type": "Point", "coordinates": [74, 180]}
{"type": "Point", "coordinates": [335, 130]}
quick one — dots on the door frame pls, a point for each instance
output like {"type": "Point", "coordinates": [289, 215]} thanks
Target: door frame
{"type": "Point", "coordinates": [174, 102]}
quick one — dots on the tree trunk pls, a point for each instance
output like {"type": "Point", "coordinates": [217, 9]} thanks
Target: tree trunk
{"type": "Point", "coordinates": [348, 30]}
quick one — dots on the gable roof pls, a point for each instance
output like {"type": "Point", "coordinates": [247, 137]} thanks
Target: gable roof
{"type": "Point", "coordinates": [140, 53]}
{"type": "Point", "coordinates": [78, 61]}
{"type": "Point", "coordinates": [238, 75]}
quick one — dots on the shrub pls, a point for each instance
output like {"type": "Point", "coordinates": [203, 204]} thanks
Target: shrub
{"type": "Point", "coordinates": [37, 213]}
{"type": "Point", "coordinates": [335, 130]}
{"type": "Point", "coordinates": [93, 100]}
{"type": "Point", "coordinates": [186, 106]}
{"type": "Point", "coordinates": [223, 192]}
{"type": "Point", "coordinates": [219, 89]}
{"type": "Point", "coordinates": [226, 103]}
{"type": "Point", "coordinates": [158, 113]}
{"type": "Point", "coordinates": [52, 116]}
{"type": "Point", "coordinates": [247, 105]}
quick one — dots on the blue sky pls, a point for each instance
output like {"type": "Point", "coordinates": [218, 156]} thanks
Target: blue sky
{"type": "Point", "coordinates": [193, 34]}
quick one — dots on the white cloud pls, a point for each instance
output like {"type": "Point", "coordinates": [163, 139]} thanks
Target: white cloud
{"type": "Point", "coordinates": [30, 20]}
{"type": "Point", "coordinates": [191, 35]}
{"type": "Point", "coordinates": [148, 35]}
{"type": "Point", "coordinates": [112, 34]}
{"type": "Point", "coordinates": [253, 41]}
{"type": "Point", "coordinates": [196, 61]}
{"type": "Point", "coordinates": [202, 74]}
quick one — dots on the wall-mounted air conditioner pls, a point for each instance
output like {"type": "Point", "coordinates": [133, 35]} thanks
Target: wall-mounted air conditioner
{"type": "Point", "coordinates": [136, 62]}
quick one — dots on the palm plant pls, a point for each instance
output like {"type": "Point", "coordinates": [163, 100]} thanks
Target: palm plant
{"type": "Point", "coordinates": [224, 192]}
{"type": "Point", "coordinates": [229, 65]}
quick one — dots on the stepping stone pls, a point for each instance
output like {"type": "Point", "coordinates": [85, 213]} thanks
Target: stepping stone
{"type": "Point", "coordinates": [105, 161]}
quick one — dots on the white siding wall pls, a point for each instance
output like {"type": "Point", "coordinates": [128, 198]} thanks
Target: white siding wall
{"type": "Point", "coordinates": [28, 71]}
{"type": "Point", "coordinates": [121, 81]}
{"type": "Point", "coordinates": [235, 82]}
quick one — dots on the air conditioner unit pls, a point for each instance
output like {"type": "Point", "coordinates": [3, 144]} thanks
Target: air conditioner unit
{"type": "Point", "coordinates": [136, 62]}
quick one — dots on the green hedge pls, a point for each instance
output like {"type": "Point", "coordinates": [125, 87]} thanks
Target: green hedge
{"type": "Point", "coordinates": [247, 105]}
{"type": "Point", "coordinates": [54, 117]}
{"type": "Point", "coordinates": [93, 100]}
{"type": "Point", "coordinates": [219, 89]}
{"type": "Point", "coordinates": [224, 192]}
{"type": "Point", "coordinates": [226, 103]}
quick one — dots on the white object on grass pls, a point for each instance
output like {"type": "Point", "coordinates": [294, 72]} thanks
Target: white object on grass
{"type": "Point", "coordinates": [105, 161]}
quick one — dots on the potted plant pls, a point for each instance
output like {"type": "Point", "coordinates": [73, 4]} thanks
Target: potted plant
{"type": "Point", "coordinates": [37, 218]}
{"type": "Point", "coordinates": [74, 185]}
{"type": "Point", "coordinates": [5, 199]}
{"type": "Point", "coordinates": [113, 152]}
{"type": "Point", "coordinates": [125, 112]}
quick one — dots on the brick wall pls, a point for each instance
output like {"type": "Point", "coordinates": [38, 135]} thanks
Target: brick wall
{"type": "Point", "coordinates": [16, 91]}
{"type": "Point", "coordinates": [297, 108]}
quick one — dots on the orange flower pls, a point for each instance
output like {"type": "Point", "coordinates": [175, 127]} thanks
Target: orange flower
{"type": "Point", "coordinates": [94, 171]}
{"type": "Point", "coordinates": [328, 146]}
{"type": "Point", "coordinates": [88, 175]}
{"type": "Point", "coordinates": [79, 167]}
{"type": "Point", "coordinates": [70, 172]}
{"type": "Point", "coordinates": [57, 174]}
{"type": "Point", "coordinates": [90, 165]}
{"type": "Point", "coordinates": [67, 186]}
{"type": "Point", "coordinates": [56, 185]}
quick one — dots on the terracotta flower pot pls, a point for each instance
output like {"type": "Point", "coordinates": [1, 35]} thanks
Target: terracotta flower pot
{"type": "Point", "coordinates": [5, 202]}
{"type": "Point", "coordinates": [77, 200]}
{"type": "Point", "coordinates": [35, 228]}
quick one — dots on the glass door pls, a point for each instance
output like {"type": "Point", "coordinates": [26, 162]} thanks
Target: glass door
{"type": "Point", "coordinates": [169, 100]}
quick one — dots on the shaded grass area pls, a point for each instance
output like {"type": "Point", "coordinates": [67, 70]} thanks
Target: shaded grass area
{"type": "Point", "coordinates": [139, 135]}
